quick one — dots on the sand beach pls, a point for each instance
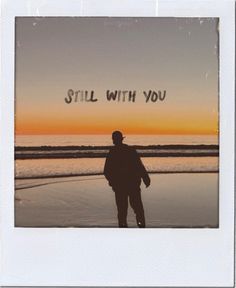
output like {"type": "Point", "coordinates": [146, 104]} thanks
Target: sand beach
{"type": "Point", "coordinates": [174, 200]}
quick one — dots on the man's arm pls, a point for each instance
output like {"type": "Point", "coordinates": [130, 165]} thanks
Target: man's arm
{"type": "Point", "coordinates": [143, 171]}
{"type": "Point", "coordinates": [107, 168]}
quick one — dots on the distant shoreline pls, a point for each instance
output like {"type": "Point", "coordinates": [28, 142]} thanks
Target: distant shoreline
{"type": "Point", "coordinates": [65, 152]}
{"type": "Point", "coordinates": [86, 147]}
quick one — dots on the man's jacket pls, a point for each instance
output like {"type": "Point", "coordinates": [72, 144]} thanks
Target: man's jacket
{"type": "Point", "coordinates": [124, 168]}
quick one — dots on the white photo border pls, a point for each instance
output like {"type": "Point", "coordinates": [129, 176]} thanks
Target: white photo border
{"type": "Point", "coordinates": [110, 256]}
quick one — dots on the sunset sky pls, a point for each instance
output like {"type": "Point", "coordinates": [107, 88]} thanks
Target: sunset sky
{"type": "Point", "coordinates": [55, 54]}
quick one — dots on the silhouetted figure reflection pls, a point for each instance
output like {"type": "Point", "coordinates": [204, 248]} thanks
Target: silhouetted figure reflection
{"type": "Point", "coordinates": [124, 171]}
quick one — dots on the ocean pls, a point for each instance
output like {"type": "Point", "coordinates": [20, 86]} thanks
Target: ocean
{"type": "Point", "coordinates": [105, 140]}
{"type": "Point", "coordinates": [42, 156]}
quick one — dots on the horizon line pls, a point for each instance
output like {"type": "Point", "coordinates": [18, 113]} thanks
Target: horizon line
{"type": "Point", "coordinates": [74, 134]}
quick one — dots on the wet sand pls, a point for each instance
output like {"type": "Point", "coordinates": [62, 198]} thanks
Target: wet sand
{"type": "Point", "coordinates": [179, 200]}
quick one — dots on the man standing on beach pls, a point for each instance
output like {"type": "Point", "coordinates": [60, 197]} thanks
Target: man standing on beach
{"type": "Point", "coordinates": [124, 171]}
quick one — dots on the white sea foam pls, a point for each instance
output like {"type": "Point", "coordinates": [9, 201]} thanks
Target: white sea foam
{"type": "Point", "coordinates": [92, 166]}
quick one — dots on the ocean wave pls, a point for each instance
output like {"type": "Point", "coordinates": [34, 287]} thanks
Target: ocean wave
{"type": "Point", "coordinates": [60, 152]}
{"type": "Point", "coordinates": [46, 168]}
{"type": "Point", "coordinates": [50, 180]}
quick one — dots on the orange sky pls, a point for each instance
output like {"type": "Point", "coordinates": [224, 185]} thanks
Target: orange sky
{"type": "Point", "coordinates": [133, 119]}
{"type": "Point", "coordinates": [177, 55]}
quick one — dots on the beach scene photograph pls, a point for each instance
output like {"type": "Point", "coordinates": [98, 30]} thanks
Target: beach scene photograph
{"type": "Point", "coordinates": [116, 122]}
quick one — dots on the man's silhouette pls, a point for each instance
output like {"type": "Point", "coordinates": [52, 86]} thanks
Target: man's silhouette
{"type": "Point", "coordinates": [124, 171]}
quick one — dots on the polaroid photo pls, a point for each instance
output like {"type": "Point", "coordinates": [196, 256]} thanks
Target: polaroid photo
{"type": "Point", "coordinates": [117, 143]}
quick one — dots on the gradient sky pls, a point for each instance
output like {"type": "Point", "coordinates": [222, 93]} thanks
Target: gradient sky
{"type": "Point", "coordinates": [179, 55]}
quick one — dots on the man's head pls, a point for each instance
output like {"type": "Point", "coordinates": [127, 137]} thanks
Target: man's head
{"type": "Point", "coordinates": [117, 138]}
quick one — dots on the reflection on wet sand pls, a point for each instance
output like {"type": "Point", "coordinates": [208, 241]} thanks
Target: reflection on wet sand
{"type": "Point", "coordinates": [187, 200]}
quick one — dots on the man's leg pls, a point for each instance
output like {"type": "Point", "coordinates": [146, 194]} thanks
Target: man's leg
{"type": "Point", "coordinates": [137, 205]}
{"type": "Point", "coordinates": [122, 207]}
